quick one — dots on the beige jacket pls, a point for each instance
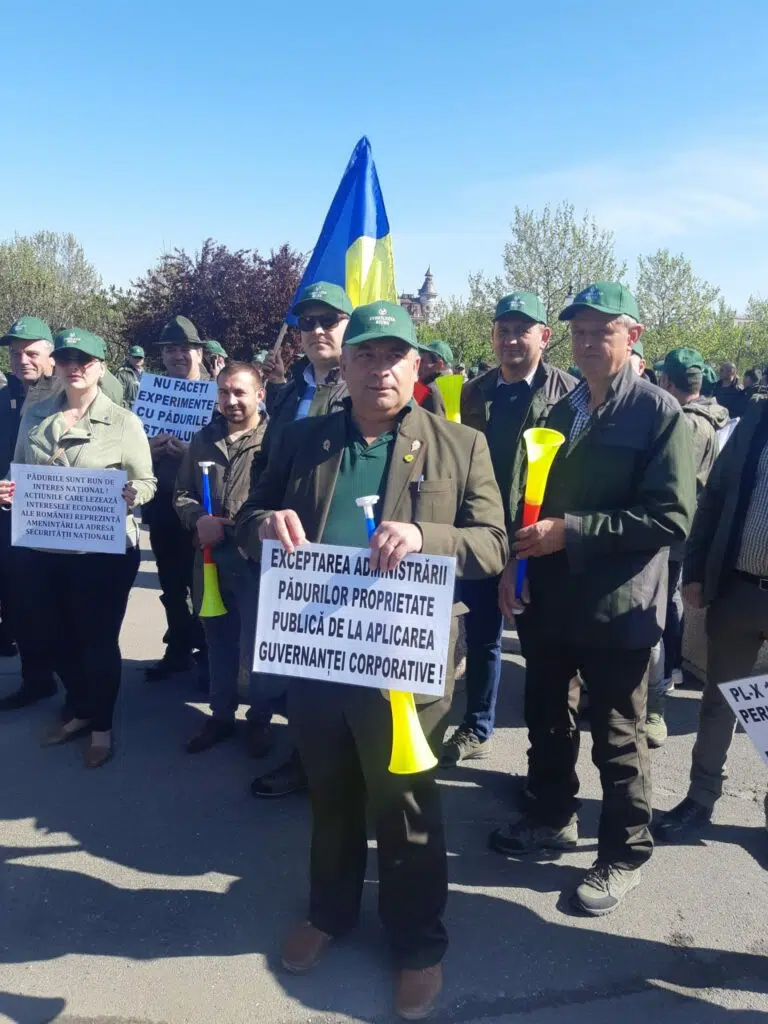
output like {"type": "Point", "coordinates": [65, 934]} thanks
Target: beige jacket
{"type": "Point", "coordinates": [107, 437]}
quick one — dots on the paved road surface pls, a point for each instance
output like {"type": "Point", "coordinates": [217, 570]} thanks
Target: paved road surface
{"type": "Point", "coordinates": [155, 890]}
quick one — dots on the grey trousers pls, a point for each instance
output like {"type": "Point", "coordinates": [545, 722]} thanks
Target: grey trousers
{"type": "Point", "coordinates": [737, 626]}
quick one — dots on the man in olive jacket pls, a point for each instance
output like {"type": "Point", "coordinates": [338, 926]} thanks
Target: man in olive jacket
{"type": "Point", "coordinates": [437, 496]}
{"type": "Point", "coordinates": [726, 571]}
{"type": "Point", "coordinates": [502, 403]}
{"type": "Point", "coordinates": [621, 491]}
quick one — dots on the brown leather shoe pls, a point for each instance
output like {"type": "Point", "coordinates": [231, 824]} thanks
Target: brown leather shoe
{"type": "Point", "coordinates": [63, 732]}
{"type": "Point", "coordinates": [303, 947]}
{"type": "Point", "coordinates": [96, 757]}
{"type": "Point", "coordinates": [417, 992]}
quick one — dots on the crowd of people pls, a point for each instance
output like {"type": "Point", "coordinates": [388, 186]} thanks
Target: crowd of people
{"type": "Point", "coordinates": [646, 511]}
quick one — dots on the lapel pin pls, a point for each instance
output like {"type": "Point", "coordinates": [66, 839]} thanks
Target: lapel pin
{"type": "Point", "coordinates": [326, 445]}
{"type": "Point", "coordinates": [415, 445]}
{"type": "Point", "coordinates": [408, 458]}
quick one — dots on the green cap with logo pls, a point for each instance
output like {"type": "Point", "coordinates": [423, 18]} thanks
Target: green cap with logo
{"type": "Point", "coordinates": [27, 328]}
{"type": "Point", "coordinates": [136, 351]}
{"type": "Point", "coordinates": [684, 366]}
{"type": "Point", "coordinates": [380, 320]}
{"type": "Point", "coordinates": [332, 295]}
{"type": "Point", "coordinates": [521, 304]}
{"type": "Point", "coordinates": [441, 349]}
{"type": "Point", "coordinates": [213, 348]}
{"type": "Point", "coordinates": [75, 339]}
{"type": "Point", "coordinates": [180, 331]}
{"type": "Point", "coordinates": [605, 297]}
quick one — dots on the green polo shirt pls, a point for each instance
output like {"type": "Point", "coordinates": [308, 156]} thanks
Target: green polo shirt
{"type": "Point", "coordinates": [363, 470]}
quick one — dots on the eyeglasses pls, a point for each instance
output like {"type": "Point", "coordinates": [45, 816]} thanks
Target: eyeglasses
{"type": "Point", "coordinates": [326, 321]}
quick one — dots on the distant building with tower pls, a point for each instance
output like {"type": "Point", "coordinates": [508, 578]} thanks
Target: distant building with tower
{"type": "Point", "coordinates": [421, 306]}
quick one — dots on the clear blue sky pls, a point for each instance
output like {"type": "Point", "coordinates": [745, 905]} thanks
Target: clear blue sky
{"type": "Point", "coordinates": [146, 125]}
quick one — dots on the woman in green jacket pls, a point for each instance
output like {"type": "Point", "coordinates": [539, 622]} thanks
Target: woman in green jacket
{"type": "Point", "coordinates": [71, 605]}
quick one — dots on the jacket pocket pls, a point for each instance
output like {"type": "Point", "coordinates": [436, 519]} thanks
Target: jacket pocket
{"type": "Point", "coordinates": [434, 501]}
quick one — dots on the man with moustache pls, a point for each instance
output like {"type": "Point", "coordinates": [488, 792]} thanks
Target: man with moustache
{"type": "Point", "coordinates": [622, 489]}
{"type": "Point", "coordinates": [437, 496]}
{"type": "Point", "coordinates": [230, 443]}
{"type": "Point", "coordinates": [502, 403]}
{"type": "Point", "coordinates": [182, 355]}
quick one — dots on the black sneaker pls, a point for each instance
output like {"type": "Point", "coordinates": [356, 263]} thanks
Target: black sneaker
{"type": "Point", "coordinates": [213, 732]}
{"type": "Point", "coordinates": [167, 667]}
{"type": "Point", "coordinates": [682, 822]}
{"type": "Point", "coordinates": [529, 836]}
{"type": "Point", "coordinates": [288, 778]}
{"type": "Point", "coordinates": [604, 887]}
{"type": "Point", "coordinates": [25, 696]}
{"type": "Point", "coordinates": [463, 745]}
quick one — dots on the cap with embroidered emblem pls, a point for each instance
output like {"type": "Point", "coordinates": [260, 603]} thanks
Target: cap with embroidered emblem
{"type": "Point", "coordinates": [180, 331]}
{"type": "Point", "coordinates": [27, 328]}
{"type": "Point", "coordinates": [75, 339]}
{"type": "Point", "coordinates": [325, 292]}
{"type": "Point", "coordinates": [380, 320]}
{"type": "Point", "coordinates": [605, 297]}
{"type": "Point", "coordinates": [521, 304]}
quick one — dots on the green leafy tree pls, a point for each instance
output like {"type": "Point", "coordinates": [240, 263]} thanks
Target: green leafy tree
{"type": "Point", "coordinates": [551, 252]}
{"type": "Point", "coordinates": [465, 326]}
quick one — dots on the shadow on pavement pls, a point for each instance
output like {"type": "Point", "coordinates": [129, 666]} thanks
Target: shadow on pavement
{"type": "Point", "coordinates": [30, 1009]}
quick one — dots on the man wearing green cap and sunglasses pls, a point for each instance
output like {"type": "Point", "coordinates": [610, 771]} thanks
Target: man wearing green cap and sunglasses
{"type": "Point", "coordinates": [437, 495]}
{"type": "Point", "coordinates": [620, 492]}
{"type": "Point", "coordinates": [130, 373]}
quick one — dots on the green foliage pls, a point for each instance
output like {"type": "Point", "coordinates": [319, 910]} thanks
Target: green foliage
{"type": "Point", "coordinates": [466, 328]}
{"type": "Point", "coordinates": [549, 253]}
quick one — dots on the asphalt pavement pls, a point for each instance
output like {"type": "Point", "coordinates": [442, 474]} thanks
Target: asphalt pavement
{"type": "Point", "coordinates": [155, 890]}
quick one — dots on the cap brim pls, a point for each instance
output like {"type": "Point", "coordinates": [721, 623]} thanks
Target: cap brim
{"type": "Point", "coordinates": [520, 313]}
{"type": "Point", "coordinates": [375, 336]}
{"type": "Point", "coordinates": [297, 309]}
{"type": "Point", "coordinates": [576, 307]}
{"type": "Point", "coordinates": [175, 341]}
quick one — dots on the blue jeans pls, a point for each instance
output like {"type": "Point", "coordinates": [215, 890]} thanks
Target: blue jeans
{"type": "Point", "coordinates": [483, 623]}
{"type": "Point", "coordinates": [230, 652]}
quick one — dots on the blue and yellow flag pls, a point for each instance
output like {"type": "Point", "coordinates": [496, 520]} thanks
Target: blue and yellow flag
{"type": "Point", "coordinates": [355, 248]}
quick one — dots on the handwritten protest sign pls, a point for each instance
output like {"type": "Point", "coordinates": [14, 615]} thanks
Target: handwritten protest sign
{"type": "Point", "coordinates": [167, 405]}
{"type": "Point", "coordinates": [749, 701]}
{"type": "Point", "coordinates": [324, 615]}
{"type": "Point", "coordinates": [66, 509]}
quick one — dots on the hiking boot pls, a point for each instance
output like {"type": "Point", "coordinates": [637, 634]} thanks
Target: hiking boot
{"type": "Point", "coordinates": [303, 947]}
{"type": "Point", "coordinates": [259, 739]}
{"type": "Point", "coordinates": [417, 991]}
{"type": "Point", "coordinates": [682, 822]}
{"type": "Point", "coordinates": [529, 836]}
{"type": "Point", "coordinates": [25, 696]}
{"type": "Point", "coordinates": [463, 745]}
{"type": "Point", "coordinates": [169, 665]}
{"type": "Point", "coordinates": [213, 732]}
{"type": "Point", "coordinates": [288, 778]}
{"type": "Point", "coordinates": [604, 887]}
{"type": "Point", "coordinates": [655, 730]}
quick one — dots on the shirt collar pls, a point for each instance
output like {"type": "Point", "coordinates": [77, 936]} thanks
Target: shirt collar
{"type": "Point", "coordinates": [509, 383]}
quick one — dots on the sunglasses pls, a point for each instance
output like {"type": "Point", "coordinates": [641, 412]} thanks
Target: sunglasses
{"type": "Point", "coordinates": [326, 321]}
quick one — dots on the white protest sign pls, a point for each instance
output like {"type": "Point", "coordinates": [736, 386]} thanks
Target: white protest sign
{"type": "Point", "coordinates": [324, 615]}
{"type": "Point", "coordinates": [65, 509]}
{"type": "Point", "coordinates": [168, 405]}
{"type": "Point", "coordinates": [749, 701]}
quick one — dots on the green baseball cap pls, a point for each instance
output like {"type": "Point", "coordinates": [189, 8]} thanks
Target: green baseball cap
{"type": "Point", "coordinates": [136, 351]}
{"type": "Point", "coordinates": [684, 365]}
{"type": "Point", "coordinates": [638, 349]}
{"type": "Point", "coordinates": [658, 366]}
{"type": "Point", "coordinates": [27, 328]}
{"type": "Point", "coordinates": [605, 297]}
{"type": "Point", "coordinates": [522, 304]}
{"type": "Point", "coordinates": [78, 340]}
{"type": "Point", "coordinates": [332, 295]}
{"type": "Point", "coordinates": [179, 331]}
{"type": "Point", "coordinates": [380, 320]}
{"type": "Point", "coordinates": [441, 349]}
{"type": "Point", "coordinates": [213, 348]}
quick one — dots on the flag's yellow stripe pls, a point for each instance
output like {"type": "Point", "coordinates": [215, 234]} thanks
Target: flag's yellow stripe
{"type": "Point", "coordinates": [370, 270]}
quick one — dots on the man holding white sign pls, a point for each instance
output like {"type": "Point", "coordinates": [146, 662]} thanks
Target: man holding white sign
{"type": "Point", "coordinates": [437, 496]}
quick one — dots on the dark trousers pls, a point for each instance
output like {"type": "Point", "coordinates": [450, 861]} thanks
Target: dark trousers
{"type": "Point", "coordinates": [675, 624]}
{"type": "Point", "coordinates": [69, 610]}
{"type": "Point", "coordinates": [617, 685]}
{"type": "Point", "coordinates": [344, 737]}
{"type": "Point", "coordinates": [6, 588]}
{"type": "Point", "coordinates": [175, 558]}
{"type": "Point", "coordinates": [483, 624]}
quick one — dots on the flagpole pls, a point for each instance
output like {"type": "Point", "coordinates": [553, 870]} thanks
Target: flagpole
{"type": "Point", "coordinates": [280, 338]}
